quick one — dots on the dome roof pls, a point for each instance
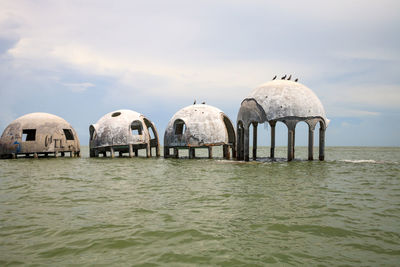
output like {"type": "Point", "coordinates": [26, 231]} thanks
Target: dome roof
{"type": "Point", "coordinates": [37, 119]}
{"type": "Point", "coordinates": [205, 125]}
{"type": "Point", "coordinates": [116, 119]}
{"type": "Point", "coordinates": [282, 98]}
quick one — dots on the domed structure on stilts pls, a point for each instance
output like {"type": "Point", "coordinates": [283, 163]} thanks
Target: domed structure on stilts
{"type": "Point", "coordinates": [123, 131]}
{"type": "Point", "coordinates": [199, 126]}
{"type": "Point", "coordinates": [39, 134]}
{"type": "Point", "coordinates": [280, 100]}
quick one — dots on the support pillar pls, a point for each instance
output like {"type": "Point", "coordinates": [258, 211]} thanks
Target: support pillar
{"type": "Point", "coordinates": [130, 150]}
{"type": "Point", "coordinates": [62, 154]}
{"type": "Point", "coordinates": [157, 150]}
{"type": "Point", "coordinates": [148, 150]}
{"type": "Point", "coordinates": [192, 154]}
{"type": "Point", "coordinates": [291, 124]}
{"type": "Point", "coordinates": [120, 154]}
{"type": "Point", "coordinates": [234, 152]}
{"type": "Point", "coordinates": [104, 154]}
{"type": "Point", "coordinates": [210, 154]}
{"type": "Point", "coordinates": [272, 152]}
{"type": "Point", "coordinates": [310, 143]}
{"type": "Point", "coordinates": [35, 155]}
{"type": "Point", "coordinates": [255, 124]}
{"type": "Point", "coordinates": [239, 155]}
{"type": "Point", "coordinates": [166, 152]}
{"type": "Point", "coordinates": [321, 143]}
{"type": "Point", "coordinates": [246, 143]}
{"type": "Point", "coordinates": [176, 153]}
{"type": "Point", "coordinates": [55, 154]}
{"type": "Point", "coordinates": [112, 152]}
{"type": "Point", "coordinates": [13, 156]}
{"type": "Point", "coordinates": [290, 145]}
{"type": "Point", "coordinates": [136, 152]}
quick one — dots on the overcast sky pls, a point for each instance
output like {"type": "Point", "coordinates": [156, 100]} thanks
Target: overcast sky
{"type": "Point", "coordinates": [82, 59]}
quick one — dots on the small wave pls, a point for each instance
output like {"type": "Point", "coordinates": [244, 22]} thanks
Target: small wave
{"type": "Point", "coordinates": [362, 161]}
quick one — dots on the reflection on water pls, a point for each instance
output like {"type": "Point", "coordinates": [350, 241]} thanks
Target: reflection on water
{"type": "Point", "coordinates": [344, 211]}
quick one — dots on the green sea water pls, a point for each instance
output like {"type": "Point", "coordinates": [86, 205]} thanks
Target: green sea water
{"type": "Point", "coordinates": [169, 212]}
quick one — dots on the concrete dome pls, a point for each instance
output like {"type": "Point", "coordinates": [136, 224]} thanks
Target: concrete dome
{"type": "Point", "coordinates": [39, 133]}
{"type": "Point", "coordinates": [282, 99]}
{"type": "Point", "coordinates": [121, 128]}
{"type": "Point", "coordinates": [199, 125]}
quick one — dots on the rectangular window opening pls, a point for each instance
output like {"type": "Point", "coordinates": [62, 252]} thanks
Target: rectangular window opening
{"type": "Point", "coordinates": [28, 135]}
{"type": "Point", "coordinates": [68, 134]}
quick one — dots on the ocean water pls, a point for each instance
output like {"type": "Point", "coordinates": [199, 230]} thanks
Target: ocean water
{"type": "Point", "coordinates": [169, 212]}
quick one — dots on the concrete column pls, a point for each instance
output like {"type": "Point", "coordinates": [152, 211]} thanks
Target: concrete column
{"type": "Point", "coordinates": [62, 154]}
{"type": "Point", "coordinates": [255, 124]}
{"type": "Point", "coordinates": [112, 152]}
{"type": "Point", "coordinates": [136, 152]}
{"type": "Point", "coordinates": [192, 154]}
{"type": "Point", "coordinates": [294, 143]}
{"type": "Point", "coordinates": [104, 154]}
{"type": "Point", "coordinates": [130, 150]}
{"type": "Point", "coordinates": [224, 149]}
{"type": "Point", "coordinates": [321, 143]}
{"type": "Point", "coordinates": [148, 150]}
{"type": "Point", "coordinates": [78, 154]}
{"type": "Point", "coordinates": [56, 154]}
{"type": "Point", "coordinates": [166, 152]}
{"type": "Point", "coordinates": [176, 153]}
{"type": "Point", "coordinates": [120, 154]}
{"type": "Point", "coordinates": [272, 152]}
{"type": "Point", "coordinates": [35, 155]}
{"type": "Point", "coordinates": [246, 143]}
{"type": "Point", "coordinates": [290, 155]}
{"type": "Point", "coordinates": [210, 155]}
{"type": "Point", "coordinates": [234, 152]}
{"type": "Point", "coordinates": [310, 143]}
{"type": "Point", "coordinates": [13, 155]}
{"type": "Point", "coordinates": [239, 142]}
{"type": "Point", "coordinates": [228, 152]}
{"type": "Point", "coordinates": [158, 150]}
{"type": "Point", "coordinates": [72, 154]}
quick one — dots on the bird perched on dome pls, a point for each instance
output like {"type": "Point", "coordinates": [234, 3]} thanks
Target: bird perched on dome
{"type": "Point", "coordinates": [274, 78]}
{"type": "Point", "coordinates": [284, 77]}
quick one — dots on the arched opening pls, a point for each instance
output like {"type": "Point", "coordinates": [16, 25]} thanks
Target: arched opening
{"type": "Point", "coordinates": [179, 127]}
{"type": "Point", "coordinates": [301, 139]}
{"type": "Point", "coordinates": [136, 128]}
{"type": "Point", "coordinates": [153, 136]}
{"type": "Point", "coordinates": [231, 139]}
{"type": "Point", "coordinates": [150, 128]}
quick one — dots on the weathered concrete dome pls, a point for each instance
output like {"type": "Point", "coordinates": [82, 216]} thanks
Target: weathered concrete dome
{"type": "Point", "coordinates": [285, 101]}
{"type": "Point", "coordinates": [199, 125]}
{"type": "Point", "coordinates": [39, 133]}
{"type": "Point", "coordinates": [280, 99]}
{"type": "Point", "coordinates": [124, 131]}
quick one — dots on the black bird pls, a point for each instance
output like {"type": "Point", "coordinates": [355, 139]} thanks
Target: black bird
{"type": "Point", "coordinates": [203, 102]}
{"type": "Point", "coordinates": [274, 78]}
{"type": "Point", "coordinates": [290, 77]}
{"type": "Point", "coordinates": [194, 103]}
{"type": "Point", "coordinates": [296, 80]}
{"type": "Point", "coordinates": [284, 77]}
